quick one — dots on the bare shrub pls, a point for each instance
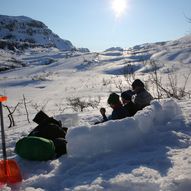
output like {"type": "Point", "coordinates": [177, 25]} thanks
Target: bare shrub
{"type": "Point", "coordinates": [155, 79]}
{"type": "Point", "coordinates": [17, 109]}
{"type": "Point", "coordinates": [119, 84]}
{"type": "Point", "coordinates": [61, 106]}
{"type": "Point", "coordinates": [26, 109]}
{"type": "Point", "coordinates": [79, 104]}
{"type": "Point", "coordinates": [11, 110]}
{"type": "Point", "coordinates": [174, 90]}
{"type": "Point", "coordinates": [170, 88]}
{"type": "Point", "coordinates": [106, 82]}
{"type": "Point", "coordinates": [39, 106]}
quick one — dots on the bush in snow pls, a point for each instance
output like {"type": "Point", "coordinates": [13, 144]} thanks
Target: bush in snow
{"type": "Point", "coordinates": [170, 88]}
{"type": "Point", "coordinates": [78, 104]}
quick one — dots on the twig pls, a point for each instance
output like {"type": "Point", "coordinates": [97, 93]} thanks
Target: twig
{"type": "Point", "coordinates": [24, 101]}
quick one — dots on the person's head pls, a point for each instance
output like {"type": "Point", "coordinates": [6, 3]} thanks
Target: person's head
{"type": "Point", "coordinates": [102, 110]}
{"type": "Point", "coordinates": [126, 96]}
{"type": "Point", "coordinates": [137, 85]}
{"type": "Point", "coordinates": [113, 100]}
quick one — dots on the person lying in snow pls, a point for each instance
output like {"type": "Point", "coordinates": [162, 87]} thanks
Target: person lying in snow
{"type": "Point", "coordinates": [45, 142]}
{"type": "Point", "coordinates": [129, 106]}
{"type": "Point", "coordinates": [50, 128]}
{"type": "Point", "coordinates": [142, 97]}
{"type": "Point", "coordinates": [118, 112]}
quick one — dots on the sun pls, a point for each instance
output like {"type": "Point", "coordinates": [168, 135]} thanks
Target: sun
{"type": "Point", "coordinates": [119, 7]}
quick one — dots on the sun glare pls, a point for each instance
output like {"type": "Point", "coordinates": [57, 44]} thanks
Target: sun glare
{"type": "Point", "coordinates": [119, 7]}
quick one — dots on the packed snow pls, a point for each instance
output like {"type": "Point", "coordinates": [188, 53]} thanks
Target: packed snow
{"type": "Point", "coordinates": [148, 152]}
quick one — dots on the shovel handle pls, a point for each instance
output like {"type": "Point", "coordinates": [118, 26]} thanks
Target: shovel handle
{"type": "Point", "coordinates": [3, 98]}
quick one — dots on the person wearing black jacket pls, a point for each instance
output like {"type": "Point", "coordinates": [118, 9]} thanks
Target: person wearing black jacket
{"type": "Point", "coordinates": [50, 128]}
{"type": "Point", "coordinates": [118, 112]}
{"type": "Point", "coordinates": [128, 105]}
{"type": "Point", "coordinates": [142, 97]}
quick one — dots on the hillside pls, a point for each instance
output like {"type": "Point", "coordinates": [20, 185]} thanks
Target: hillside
{"type": "Point", "coordinates": [24, 29]}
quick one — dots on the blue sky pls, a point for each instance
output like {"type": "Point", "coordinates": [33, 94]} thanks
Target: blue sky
{"type": "Point", "coordinates": [93, 23]}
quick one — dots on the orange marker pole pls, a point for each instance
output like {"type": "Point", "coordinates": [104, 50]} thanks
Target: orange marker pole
{"type": "Point", "coordinates": [9, 170]}
{"type": "Point", "coordinates": [2, 99]}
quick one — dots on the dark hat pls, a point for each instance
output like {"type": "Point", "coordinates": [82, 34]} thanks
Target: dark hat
{"type": "Point", "coordinates": [137, 83]}
{"type": "Point", "coordinates": [113, 99]}
{"type": "Point", "coordinates": [41, 117]}
{"type": "Point", "coordinates": [127, 95]}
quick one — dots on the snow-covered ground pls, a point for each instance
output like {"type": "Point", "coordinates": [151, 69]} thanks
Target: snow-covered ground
{"type": "Point", "coordinates": [148, 152]}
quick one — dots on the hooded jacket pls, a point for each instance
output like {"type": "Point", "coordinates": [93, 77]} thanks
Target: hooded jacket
{"type": "Point", "coordinates": [142, 99]}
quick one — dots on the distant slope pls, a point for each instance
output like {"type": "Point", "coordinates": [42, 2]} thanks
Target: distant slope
{"type": "Point", "coordinates": [25, 29]}
{"type": "Point", "coordinates": [177, 51]}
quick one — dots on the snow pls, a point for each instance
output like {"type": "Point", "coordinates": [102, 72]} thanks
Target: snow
{"type": "Point", "coordinates": [148, 152]}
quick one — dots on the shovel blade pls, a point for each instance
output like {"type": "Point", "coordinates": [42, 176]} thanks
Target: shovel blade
{"type": "Point", "coordinates": [9, 172]}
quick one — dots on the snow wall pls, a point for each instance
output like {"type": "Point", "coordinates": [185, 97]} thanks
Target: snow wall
{"type": "Point", "coordinates": [118, 135]}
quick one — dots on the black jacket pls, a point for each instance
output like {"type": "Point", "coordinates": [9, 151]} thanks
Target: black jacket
{"type": "Point", "coordinates": [142, 99]}
{"type": "Point", "coordinates": [118, 113]}
{"type": "Point", "coordinates": [130, 108]}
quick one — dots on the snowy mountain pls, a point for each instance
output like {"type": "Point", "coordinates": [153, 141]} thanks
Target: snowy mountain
{"type": "Point", "coordinates": [148, 152]}
{"type": "Point", "coordinates": [114, 49]}
{"type": "Point", "coordinates": [84, 50]}
{"type": "Point", "coordinates": [26, 30]}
